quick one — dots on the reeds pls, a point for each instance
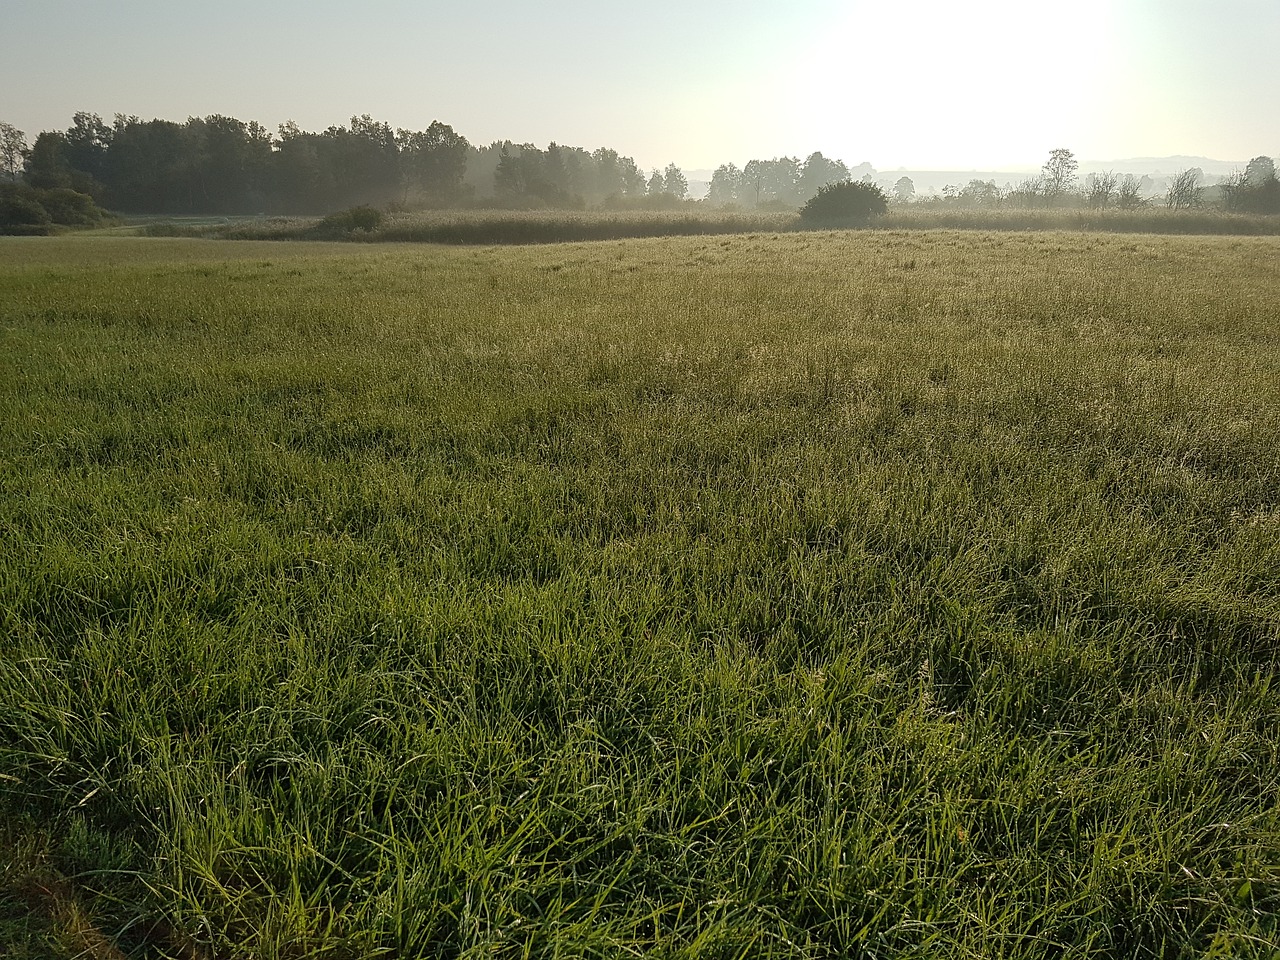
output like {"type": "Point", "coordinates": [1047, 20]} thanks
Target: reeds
{"type": "Point", "coordinates": [525, 227]}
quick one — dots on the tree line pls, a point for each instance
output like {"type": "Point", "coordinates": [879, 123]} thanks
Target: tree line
{"type": "Point", "coordinates": [783, 182]}
{"type": "Point", "coordinates": [1255, 189]}
{"type": "Point", "coordinates": [222, 165]}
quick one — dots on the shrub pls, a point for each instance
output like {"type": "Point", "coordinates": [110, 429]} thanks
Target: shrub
{"type": "Point", "coordinates": [67, 206]}
{"type": "Point", "coordinates": [21, 213]}
{"type": "Point", "coordinates": [26, 209]}
{"type": "Point", "coordinates": [346, 222]}
{"type": "Point", "coordinates": [844, 203]}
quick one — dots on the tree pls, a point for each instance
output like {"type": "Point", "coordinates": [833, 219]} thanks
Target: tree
{"type": "Point", "coordinates": [510, 180]}
{"type": "Point", "coordinates": [657, 184]}
{"type": "Point", "coordinates": [816, 172]}
{"type": "Point", "coordinates": [1101, 189]}
{"type": "Point", "coordinates": [227, 163]}
{"type": "Point", "coordinates": [1032, 192]}
{"type": "Point", "coordinates": [981, 193]}
{"type": "Point", "coordinates": [674, 183]}
{"type": "Point", "coordinates": [904, 190]}
{"type": "Point", "coordinates": [88, 140]}
{"type": "Point", "coordinates": [633, 182]}
{"type": "Point", "coordinates": [149, 167]}
{"type": "Point", "coordinates": [615, 176]}
{"type": "Point", "coordinates": [13, 145]}
{"type": "Point", "coordinates": [1256, 190]}
{"type": "Point", "coordinates": [1184, 190]}
{"type": "Point", "coordinates": [1060, 172]}
{"type": "Point", "coordinates": [46, 162]}
{"type": "Point", "coordinates": [772, 182]}
{"type": "Point", "coordinates": [1259, 171]}
{"type": "Point", "coordinates": [1129, 192]}
{"type": "Point", "coordinates": [554, 170]}
{"type": "Point", "coordinates": [726, 185]}
{"type": "Point", "coordinates": [434, 161]}
{"type": "Point", "coordinates": [365, 160]}
{"type": "Point", "coordinates": [300, 181]}
{"type": "Point", "coordinates": [579, 173]}
{"type": "Point", "coordinates": [845, 203]}
{"type": "Point", "coordinates": [526, 175]}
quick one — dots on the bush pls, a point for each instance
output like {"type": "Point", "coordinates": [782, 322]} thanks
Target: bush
{"type": "Point", "coordinates": [346, 222]}
{"type": "Point", "coordinates": [845, 203]}
{"type": "Point", "coordinates": [21, 213]}
{"type": "Point", "coordinates": [1241, 196]}
{"type": "Point", "coordinates": [25, 209]}
{"type": "Point", "coordinates": [70, 207]}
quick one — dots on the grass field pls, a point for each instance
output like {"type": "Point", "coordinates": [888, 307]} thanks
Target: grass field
{"type": "Point", "coordinates": [877, 594]}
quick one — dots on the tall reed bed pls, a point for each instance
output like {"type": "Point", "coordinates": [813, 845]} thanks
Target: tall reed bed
{"type": "Point", "coordinates": [481, 227]}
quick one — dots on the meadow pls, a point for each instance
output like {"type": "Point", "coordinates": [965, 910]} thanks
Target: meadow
{"type": "Point", "coordinates": [810, 595]}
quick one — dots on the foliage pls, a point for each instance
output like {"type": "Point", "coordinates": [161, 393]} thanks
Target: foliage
{"type": "Point", "coordinates": [221, 165]}
{"type": "Point", "coordinates": [1256, 190]}
{"type": "Point", "coordinates": [70, 208]}
{"type": "Point", "coordinates": [21, 212]}
{"type": "Point", "coordinates": [815, 173]}
{"type": "Point", "coordinates": [529, 178]}
{"type": "Point", "coordinates": [349, 223]}
{"type": "Point", "coordinates": [434, 162]}
{"type": "Point", "coordinates": [976, 193]}
{"type": "Point", "coordinates": [1102, 190]}
{"type": "Point", "coordinates": [1184, 190]}
{"type": "Point", "coordinates": [46, 166]}
{"type": "Point", "coordinates": [1060, 172]}
{"type": "Point", "coordinates": [674, 183]}
{"type": "Point", "coordinates": [1128, 194]}
{"type": "Point", "coordinates": [809, 596]}
{"type": "Point", "coordinates": [511, 176]}
{"type": "Point", "coordinates": [26, 209]}
{"type": "Point", "coordinates": [780, 183]}
{"type": "Point", "coordinates": [13, 145]}
{"type": "Point", "coordinates": [845, 203]}
{"type": "Point", "coordinates": [218, 165]}
{"type": "Point", "coordinates": [1260, 171]}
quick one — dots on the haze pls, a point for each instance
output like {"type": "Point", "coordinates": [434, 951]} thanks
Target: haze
{"type": "Point", "coordinates": [990, 84]}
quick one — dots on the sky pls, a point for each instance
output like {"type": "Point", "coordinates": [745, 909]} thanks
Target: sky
{"type": "Point", "coordinates": [921, 84]}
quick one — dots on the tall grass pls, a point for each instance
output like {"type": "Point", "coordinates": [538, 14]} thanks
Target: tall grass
{"type": "Point", "coordinates": [1144, 220]}
{"type": "Point", "coordinates": [822, 595]}
{"type": "Point", "coordinates": [521, 227]}
{"type": "Point", "coordinates": [502, 226]}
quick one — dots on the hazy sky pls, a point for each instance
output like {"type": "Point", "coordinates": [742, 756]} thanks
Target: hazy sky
{"type": "Point", "coordinates": [924, 84]}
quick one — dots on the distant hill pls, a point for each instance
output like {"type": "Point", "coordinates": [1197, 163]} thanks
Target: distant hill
{"type": "Point", "coordinates": [1157, 166]}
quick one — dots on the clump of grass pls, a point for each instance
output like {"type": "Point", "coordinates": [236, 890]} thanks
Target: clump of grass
{"type": "Point", "coordinates": [811, 595]}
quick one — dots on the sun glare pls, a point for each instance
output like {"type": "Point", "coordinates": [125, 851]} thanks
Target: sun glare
{"type": "Point", "coordinates": [924, 83]}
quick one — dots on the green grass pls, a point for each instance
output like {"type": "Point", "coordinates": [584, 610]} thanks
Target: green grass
{"type": "Point", "coordinates": [880, 594]}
